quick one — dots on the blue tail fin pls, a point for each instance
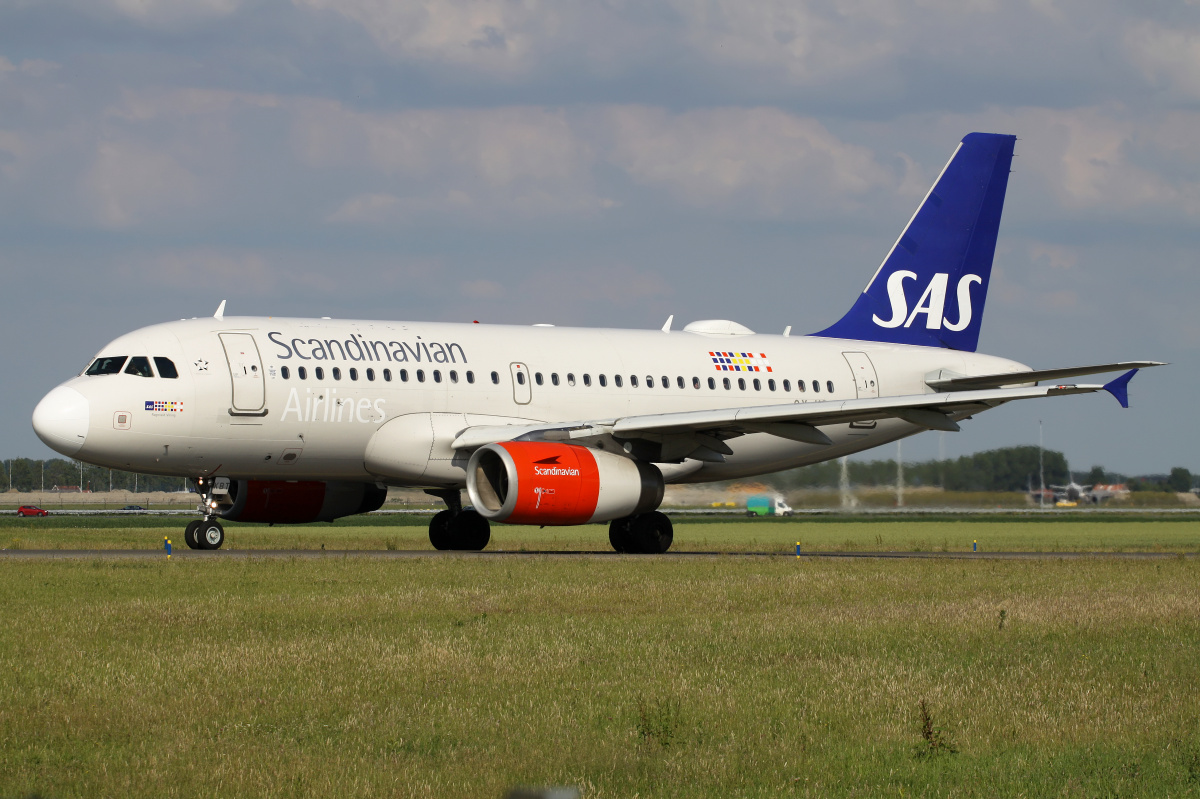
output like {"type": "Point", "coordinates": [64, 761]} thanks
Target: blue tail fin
{"type": "Point", "coordinates": [931, 287]}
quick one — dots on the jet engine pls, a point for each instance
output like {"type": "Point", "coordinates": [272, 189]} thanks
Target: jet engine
{"type": "Point", "coordinates": [534, 482]}
{"type": "Point", "coordinates": [296, 502]}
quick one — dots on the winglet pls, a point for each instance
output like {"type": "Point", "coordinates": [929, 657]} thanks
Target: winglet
{"type": "Point", "coordinates": [1119, 387]}
{"type": "Point", "coordinates": [220, 314]}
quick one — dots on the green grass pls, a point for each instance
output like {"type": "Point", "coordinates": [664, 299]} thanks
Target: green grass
{"type": "Point", "coordinates": [461, 677]}
{"type": "Point", "coordinates": [1058, 533]}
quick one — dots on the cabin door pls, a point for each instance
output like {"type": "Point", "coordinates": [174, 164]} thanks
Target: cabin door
{"type": "Point", "coordinates": [245, 367]}
{"type": "Point", "coordinates": [865, 381]}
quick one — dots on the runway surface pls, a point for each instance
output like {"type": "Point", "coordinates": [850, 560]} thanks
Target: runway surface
{"type": "Point", "coordinates": [384, 554]}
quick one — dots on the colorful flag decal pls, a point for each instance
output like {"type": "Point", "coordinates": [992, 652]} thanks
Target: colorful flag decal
{"type": "Point", "coordinates": [159, 406]}
{"type": "Point", "coordinates": [740, 361]}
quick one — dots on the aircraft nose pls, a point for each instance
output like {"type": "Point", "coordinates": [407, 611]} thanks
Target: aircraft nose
{"type": "Point", "coordinates": [61, 420]}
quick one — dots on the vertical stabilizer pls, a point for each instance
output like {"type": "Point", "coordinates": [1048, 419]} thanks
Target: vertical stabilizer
{"type": "Point", "coordinates": [931, 288]}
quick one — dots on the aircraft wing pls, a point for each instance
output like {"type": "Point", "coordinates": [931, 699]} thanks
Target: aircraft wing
{"type": "Point", "coordinates": [701, 434]}
{"type": "Point", "coordinates": [944, 381]}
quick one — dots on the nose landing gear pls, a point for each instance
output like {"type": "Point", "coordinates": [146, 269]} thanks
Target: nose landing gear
{"type": "Point", "coordinates": [455, 528]}
{"type": "Point", "coordinates": [206, 533]}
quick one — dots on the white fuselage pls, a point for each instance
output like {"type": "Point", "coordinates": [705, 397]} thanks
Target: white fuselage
{"type": "Point", "coordinates": [263, 424]}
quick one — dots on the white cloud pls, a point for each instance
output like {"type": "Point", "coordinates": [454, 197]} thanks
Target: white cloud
{"type": "Point", "coordinates": [776, 162]}
{"type": "Point", "coordinates": [129, 184]}
{"type": "Point", "coordinates": [1169, 56]}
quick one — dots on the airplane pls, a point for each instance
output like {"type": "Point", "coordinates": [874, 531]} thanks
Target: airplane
{"type": "Point", "coordinates": [282, 420]}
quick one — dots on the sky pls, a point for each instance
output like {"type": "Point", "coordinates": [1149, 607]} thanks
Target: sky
{"type": "Point", "coordinates": [604, 164]}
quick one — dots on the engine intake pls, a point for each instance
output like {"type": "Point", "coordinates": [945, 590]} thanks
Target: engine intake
{"type": "Point", "coordinates": [534, 482]}
{"type": "Point", "coordinates": [298, 502]}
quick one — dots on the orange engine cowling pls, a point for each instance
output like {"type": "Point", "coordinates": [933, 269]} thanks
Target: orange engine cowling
{"type": "Point", "coordinates": [536, 482]}
{"type": "Point", "coordinates": [298, 501]}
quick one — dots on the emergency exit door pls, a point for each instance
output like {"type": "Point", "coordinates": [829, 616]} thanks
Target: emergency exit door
{"type": "Point", "coordinates": [245, 367]}
{"type": "Point", "coordinates": [522, 390]}
{"type": "Point", "coordinates": [865, 380]}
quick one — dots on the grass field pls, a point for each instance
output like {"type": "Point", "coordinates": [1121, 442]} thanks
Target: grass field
{"type": "Point", "coordinates": [623, 676]}
{"type": "Point", "coordinates": [949, 533]}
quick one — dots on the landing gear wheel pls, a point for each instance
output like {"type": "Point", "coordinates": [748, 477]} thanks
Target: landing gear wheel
{"type": "Point", "coordinates": [211, 534]}
{"type": "Point", "coordinates": [470, 531]}
{"type": "Point", "coordinates": [190, 536]}
{"type": "Point", "coordinates": [652, 533]}
{"type": "Point", "coordinates": [439, 530]}
{"type": "Point", "coordinates": [466, 531]}
{"type": "Point", "coordinates": [618, 535]}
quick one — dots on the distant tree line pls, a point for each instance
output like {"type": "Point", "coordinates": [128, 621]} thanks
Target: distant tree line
{"type": "Point", "coordinates": [27, 474]}
{"type": "Point", "coordinates": [1006, 469]}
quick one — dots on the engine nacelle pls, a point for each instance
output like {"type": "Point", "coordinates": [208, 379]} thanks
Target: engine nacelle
{"type": "Point", "coordinates": [534, 482]}
{"type": "Point", "coordinates": [297, 502]}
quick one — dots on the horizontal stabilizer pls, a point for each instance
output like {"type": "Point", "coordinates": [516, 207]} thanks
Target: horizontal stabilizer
{"type": "Point", "coordinates": [958, 383]}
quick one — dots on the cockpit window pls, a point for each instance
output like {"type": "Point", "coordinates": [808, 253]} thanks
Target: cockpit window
{"type": "Point", "coordinates": [108, 365]}
{"type": "Point", "coordinates": [166, 367]}
{"type": "Point", "coordinates": [139, 365]}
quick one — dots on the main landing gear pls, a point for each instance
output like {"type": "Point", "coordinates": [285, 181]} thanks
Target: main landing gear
{"type": "Point", "coordinates": [645, 534]}
{"type": "Point", "coordinates": [206, 533]}
{"type": "Point", "coordinates": [455, 528]}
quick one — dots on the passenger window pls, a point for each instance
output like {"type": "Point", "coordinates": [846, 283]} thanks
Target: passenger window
{"type": "Point", "coordinates": [632, 381]}
{"type": "Point", "coordinates": [370, 374]}
{"type": "Point", "coordinates": [403, 375]}
{"type": "Point", "coordinates": [107, 366]}
{"type": "Point", "coordinates": [420, 375]}
{"type": "Point", "coordinates": [617, 381]}
{"type": "Point", "coordinates": [799, 385]}
{"type": "Point", "coordinates": [829, 386]}
{"type": "Point", "coordinates": [166, 367]}
{"type": "Point", "coordinates": [757, 384]}
{"type": "Point", "coordinates": [570, 379]}
{"type": "Point", "coordinates": [603, 380]}
{"type": "Point", "coordinates": [453, 376]}
{"type": "Point", "coordinates": [554, 378]}
{"type": "Point", "coordinates": [437, 375]}
{"type": "Point", "coordinates": [725, 382]}
{"type": "Point", "coordinates": [139, 365]}
{"type": "Point", "coordinates": [283, 372]}
{"type": "Point", "coordinates": [712, 384]}
{"type": "Point", "coordinates": [771, 385]}
{"type": "Point", "coordinates": [742, 383]}
{"type": "Point", "coordinates": [587, 380]}
{"type": "Point", "coordinates": [787, 385]}
{"type": "Point", "coordinates": [650, 381]}
{"type": "Point", "coordinates": [696, 383]}
{"type": "Point", "coordinates": [353, 373]}
{"type": "Point", "coordinates": [319, 373]}
{"type": "Point", "coordinates": [816, 387]}
{"type": "Point", "coordinates": [496, 378]}
{"type": "Point", "coordinates": [520, 378]}
{"type": "Point", "coordinates": [666, 382]}
{"type": "Point", "coordinates": [470, 376]}
{"type": "Point", "coordinates": [387, 375]}
{"type": "Point", "coordinates": [301, 373]}
{"type": "Point", "coordinates": [337, 373]}
{"type": "Point", "coordinates": [679, 381]}
{"type": "Point", "coordinates": [537, 378]}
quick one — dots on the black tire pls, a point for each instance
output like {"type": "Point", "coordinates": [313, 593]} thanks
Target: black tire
{"type": "Point", "coordinates": [190, 536]}
{"type": "Point", "coordinates": [470, 532]}
{"type": "Point", "coordinates": [652, 533]}
{"type": "Point", "coordinates": [439, 531]}
{"type": "Point", "coordinates": [618, 535]}
{"type": "Point", "coordinates": [210, 534]}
